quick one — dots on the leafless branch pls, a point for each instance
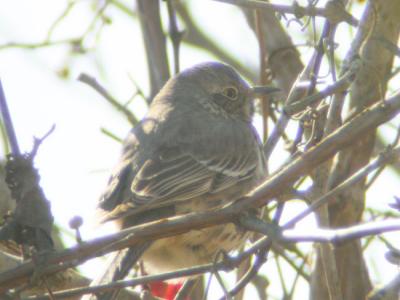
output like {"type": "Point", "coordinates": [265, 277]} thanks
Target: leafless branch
{"type": "Point", "coordinates": [381, 160]}
{"type": "Point", "coordinates": [318, 235]}
{"type": "Point", "coordinates": [339, 86]}
{"type": "Point", "coordinates": [195, 36]}
{"type": "Point", "coordinates": [175, 34]}
{"type": "Point", "coordinates": [332, 12]}
{"type": "Point", "coordinates": [12, 138]}
{"type": "Point", "coordinates": [155, 45]}
{"type": "Point", "coordinates": [335, 108]}
{"type": "Point", "coordinates": [92, 82]}
{"type": "Point", "coordinates": [371, 118]}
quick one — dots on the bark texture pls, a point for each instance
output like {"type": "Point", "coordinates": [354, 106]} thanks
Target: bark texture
{"type": "Point", "coordinates": [368, 88]}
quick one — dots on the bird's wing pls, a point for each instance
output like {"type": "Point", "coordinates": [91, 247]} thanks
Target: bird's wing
{"type": "Point", "coordinates": [179, 166]}
{"type": "Point", "coordinates": [181, 175]}
{"type": "Point", "coordinates": [176, 176]}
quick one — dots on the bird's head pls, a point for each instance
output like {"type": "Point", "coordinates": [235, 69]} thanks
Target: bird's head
{"type": "Point", "coordinates": [217, 87]}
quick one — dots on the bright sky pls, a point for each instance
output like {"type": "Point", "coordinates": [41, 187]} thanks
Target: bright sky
{"type": "Point", "coordinates": [75, 161]}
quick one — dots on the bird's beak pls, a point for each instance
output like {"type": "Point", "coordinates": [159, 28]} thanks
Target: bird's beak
{"type": "Point", "coordinates": [263, 90]}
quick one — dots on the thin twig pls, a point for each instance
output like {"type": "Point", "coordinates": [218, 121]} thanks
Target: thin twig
{"type": "Point", "coordinates": [296, 279]}
{"type": "Point", "coordinates": [271, 188]}
{"type": "Point", "coordinates": [280, 251]}
{"type": "Point", "coordinates": [123, 8]}
{"type": "Point", "coordinates": [111, 135]}
{"type": "Point", "coordinates": [98, 14]}
{"type": "Point", "coordinates": [382, 159]}
{"type": "Point", "coordinates": [65, 12]}
{"type": "Point", "coordinates": [342, 84]}
{"type": "Point", "coordinates": [333, 13]}
{"type": "Point", "coordinates": [75, 42]}
{"type": "Point", "coordinates": [317, 58]}
{"type": "Point", "coordinates": [264, 100]}
{"type": "Point", "coordinates": [253, 271]}
{"type": "Point", "coordinates": [43, 44]}
{"type": "Point", "coordinates": [334, 236]}
{"type": "Point", "coordinates": [281, 278]}
{"type": "Point", "coordinates": [260, 259]}
{"type": "Point", "coordinates": [38, 141]}
{"type": "Point", "coordinates": [92, 82]}
{"type": "Point", "coordinates": [376, 175]}
{"type": "Point", "coordinates": [196, 37]}
{"type": "Point", "coordinates": [309, 73]}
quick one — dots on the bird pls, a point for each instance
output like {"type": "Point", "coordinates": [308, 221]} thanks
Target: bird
{"type": "Point", "coordinates": [196, 150]}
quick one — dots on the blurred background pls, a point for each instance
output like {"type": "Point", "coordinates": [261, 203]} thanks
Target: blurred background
{"type": "Point", "coordinates": [46, 44]}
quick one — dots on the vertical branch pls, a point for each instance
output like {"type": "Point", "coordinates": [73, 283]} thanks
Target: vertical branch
{"type": "Point", "coordinates": [8, 123]}
{"type": "Point", "coordinates": [326, 255]}
{"type": "Point", "coordinates": [369, 87]}
{"type": "Point", "coordinates": [278, 54]}
{"type": "Point", "coordinates": [318, 55]}
{"type": "Point", "coordinates": [327, 267]}
{"type": "Point", "coordinates": [175, 34]}
{"type": "Point", "coordinates": [263, 71]}
{"type": "Point", "coordinates": [260, 258]}
{"type": "Point", "coordinates": [155, 44]}
{"type": "Point", "coordinates": [335, 109]}
{"type": "Point", "coordinates": [309, 73]}
{"type": "Point", "coordinates": [283, 61]}
{"type": "Point", "coordinates": [282, 57]}
{"type": "Point", "coordinates": [196, 37]}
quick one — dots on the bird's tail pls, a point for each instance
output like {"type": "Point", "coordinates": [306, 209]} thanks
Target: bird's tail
{"type": "Point", "coordinates": [118, 268]}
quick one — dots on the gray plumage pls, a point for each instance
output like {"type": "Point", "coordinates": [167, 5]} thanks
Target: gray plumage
{"type": "Point", "coordinates": [195, 150]}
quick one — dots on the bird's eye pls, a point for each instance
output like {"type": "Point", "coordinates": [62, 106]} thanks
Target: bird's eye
{"type": "Point", "coordinates": [231, 92]}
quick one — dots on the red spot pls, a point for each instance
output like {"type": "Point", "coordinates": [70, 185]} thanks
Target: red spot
{"type": "Point", "coordinates": [165, 290]}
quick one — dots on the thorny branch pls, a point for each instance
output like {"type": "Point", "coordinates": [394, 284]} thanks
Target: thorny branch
{"type": "Point", "coordinates": [339, 86]}
{"type": "Point", "coordinates": [298, 91]}
{"type": "Point", "coordinates": [332, 12]}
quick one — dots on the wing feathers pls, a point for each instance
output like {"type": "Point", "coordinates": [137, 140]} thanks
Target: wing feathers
{"type": "Point", "coordinates": [176, 174]}
{"type": "Point", "coordinates": [184, 177]}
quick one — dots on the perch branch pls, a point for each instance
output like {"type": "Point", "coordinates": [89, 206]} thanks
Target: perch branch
{"type": "Point", "coordinates": [272, 187]}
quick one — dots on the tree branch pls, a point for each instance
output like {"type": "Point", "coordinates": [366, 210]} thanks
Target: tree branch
{"type": "Point", "coordinates": [92, 82]}
{"type": "Point", "coordinates": [332, 12]}
{"type": "Point", "coordinates": [154, 42]}
{"type": "Point", "coordinates": [12, 138]}
{"type": "Point", "coordinates": [271, 188]}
